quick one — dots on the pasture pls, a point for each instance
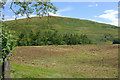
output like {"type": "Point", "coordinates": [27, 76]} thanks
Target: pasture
{"type": "Point", "coordinates": [64, 61]}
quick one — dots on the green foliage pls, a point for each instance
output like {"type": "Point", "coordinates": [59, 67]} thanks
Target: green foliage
{"type": "Point", "coordinates": [94, 31]}
{"type": "Point", "coordinates": [116, 41]}
{"type": "Point", "coordinates": [107, 37]}
{"type": "Point", "coordinates": [23, 8]}
{"type": "Point", "coordinates": [8, 41]}
{"type": "Point", "coordinates": [26, 8]}
{"type": "Point", "coordinates": [51, 38]}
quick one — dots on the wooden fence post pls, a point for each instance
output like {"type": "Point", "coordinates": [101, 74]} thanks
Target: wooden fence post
{"type": "Point", "coordinates": [0, 58]}
{"type": "Point", "coordinates": [7, 66]}
{"type": "Point", "coordinates": [0, 70]}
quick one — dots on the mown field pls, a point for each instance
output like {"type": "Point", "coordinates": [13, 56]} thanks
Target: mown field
{"type": "Point", "coordinates": [76, 61]}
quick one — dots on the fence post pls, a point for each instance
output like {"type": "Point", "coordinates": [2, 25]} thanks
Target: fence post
{"type": "Point", "coordinates": [7, 66]}
{"type": "Point", "coordinates": [0, 60]}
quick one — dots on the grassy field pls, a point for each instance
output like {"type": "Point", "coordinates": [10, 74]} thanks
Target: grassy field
{"type": "Point", "coordinates": [76, 61]}
{"type": "Point", "coordinates": [94, 30]}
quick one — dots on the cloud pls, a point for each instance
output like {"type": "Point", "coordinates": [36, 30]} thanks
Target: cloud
{"type": "Point", "coordinates": [93, 5]}
{"type": "Point", "coordinates": [9, 10]}
{"type": "Point", "coordinates": [110, 15]}
{"type": "Point", "coordinates": [65, 9]}
{"type": "Point", "coordinates": [7, 16]}
{"type": "Point", "coordinates": [33, 15]}
{"type": "Point", "coordinates": [59, 12]}
{"type": "Point", "coordinates": [13, 16]}
{"type": "Point", "coordinates": [52, 14]}
{"type": "Point", "coordinates": [95, 20]}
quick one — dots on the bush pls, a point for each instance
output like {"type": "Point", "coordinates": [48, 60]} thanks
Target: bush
{"type": "Point", "coordinates": [116, 41]}
{"type": "Point", "coordinates": [107, 37]}
{"type": "Point", "coordinates": [51, 38]}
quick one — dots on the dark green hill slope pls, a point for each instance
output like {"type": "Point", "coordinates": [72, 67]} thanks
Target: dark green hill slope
{"type": "Point", "coordinates": [94, 30]}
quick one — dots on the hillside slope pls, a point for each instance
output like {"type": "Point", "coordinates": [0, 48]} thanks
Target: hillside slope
{"type": "Point", "coordinates": [94, 30]}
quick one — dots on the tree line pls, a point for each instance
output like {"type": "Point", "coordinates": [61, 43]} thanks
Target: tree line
{"type": "Point", "coordinates": [51, 38]}
{"type": "Point", "coordinates": [110, 37]}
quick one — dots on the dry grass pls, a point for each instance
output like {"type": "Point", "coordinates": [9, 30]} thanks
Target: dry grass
{"type": "Point", "coordinates": [78, 61]}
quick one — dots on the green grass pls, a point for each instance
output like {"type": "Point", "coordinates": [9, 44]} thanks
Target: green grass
{"type": "Point", "coordinates": [76, 61]}
{"type": "Point", "coordinates": [94, 30]}
{"type": "Point", "coordinates": [26, 71]}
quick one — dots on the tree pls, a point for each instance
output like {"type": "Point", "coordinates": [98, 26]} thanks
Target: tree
{"type": "Point", "coordinates": [24, 8]}
{"type": "Point", "coordinates": [8, 43]}
{"type": "Point", "coordinates": [116, 41]}
{"type": "Point", "coordinates": [107, 37]}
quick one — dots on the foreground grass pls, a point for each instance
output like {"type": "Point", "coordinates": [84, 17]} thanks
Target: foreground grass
{"type": "Point", "coordinates": [78, 61]}
{"type": "Point", "coordinates": [26, 71]}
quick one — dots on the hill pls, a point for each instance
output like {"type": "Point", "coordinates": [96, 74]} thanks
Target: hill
{"type": "Point", "coordinates": [97, 32]}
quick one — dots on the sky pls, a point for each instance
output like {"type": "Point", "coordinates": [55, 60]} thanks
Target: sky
{"type": "Point", "coordinates": [103, 12]}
